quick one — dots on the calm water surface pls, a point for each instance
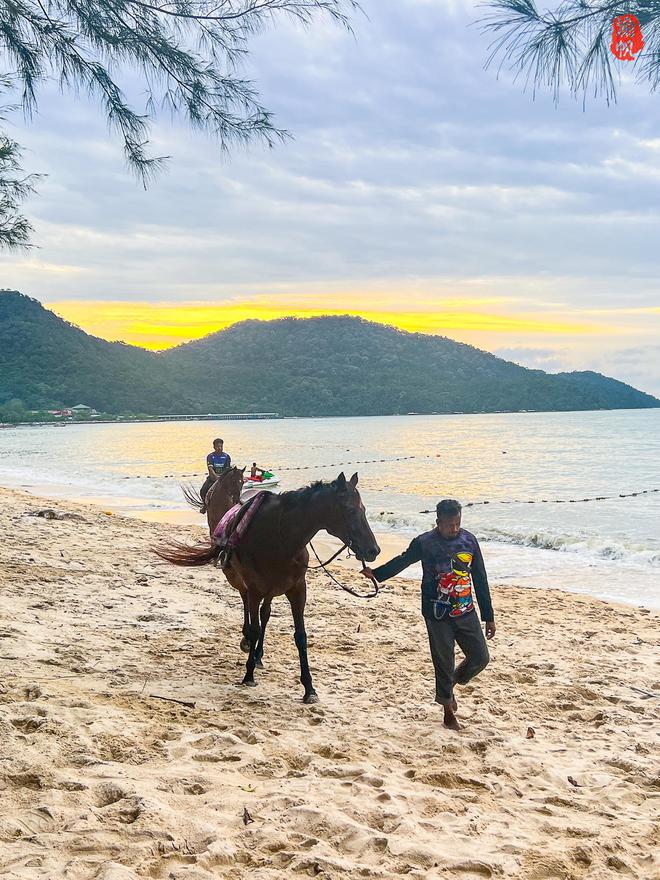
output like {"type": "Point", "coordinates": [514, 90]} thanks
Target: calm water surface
{"type": "Point", "coordinates": [607, 548]}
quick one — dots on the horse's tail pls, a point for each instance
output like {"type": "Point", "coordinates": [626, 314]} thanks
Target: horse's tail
{"type": "Point", "coordinates": [184, 554]}
{"type": "Point", "coordinates": [193, 497]}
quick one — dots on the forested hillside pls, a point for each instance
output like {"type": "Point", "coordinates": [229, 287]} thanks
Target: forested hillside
{"type": "Point", "coordinates": [297, 367]}
{"type": "Point", "coordinates": [349, 366]}
{"type": "Point", "coordinates": [47, 362]}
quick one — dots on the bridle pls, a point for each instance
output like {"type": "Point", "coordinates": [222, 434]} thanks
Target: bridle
{"type": "Point", "coordinates": [323, 565]}
{"type": "Point", "coordinates": [346, 546]}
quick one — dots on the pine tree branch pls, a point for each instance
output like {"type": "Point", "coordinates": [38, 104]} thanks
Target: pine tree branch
{"type": "Point", "coordinates": [187, 50]}
{"type": "Point", "coordinates": [569, 45]}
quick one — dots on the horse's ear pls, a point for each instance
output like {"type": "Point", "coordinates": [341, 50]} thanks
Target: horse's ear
{"type": "Point", "coordinates": [243, 471]}
{"type": "Point", "coordinates": [340, 482]}
{"type": "Point", "coordinates": [354, 480]}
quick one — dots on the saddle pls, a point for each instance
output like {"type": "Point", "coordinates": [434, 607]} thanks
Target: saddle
{"type": "Point", "coordinates": [231, 529]}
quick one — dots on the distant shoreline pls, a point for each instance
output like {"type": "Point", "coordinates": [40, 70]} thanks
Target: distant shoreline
{"type": "Point", "coordinates": [280, 418]}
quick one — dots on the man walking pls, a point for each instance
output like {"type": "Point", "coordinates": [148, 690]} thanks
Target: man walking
{"type": "Point", "coordinates": [218, 462]}
{"type": "Point", "coordinates": [452, 564]}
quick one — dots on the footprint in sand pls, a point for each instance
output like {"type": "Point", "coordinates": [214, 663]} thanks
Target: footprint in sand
{"type": "Point", "coordinates": [196, 788]}
{"type": "Point", "coordinates": [28, 725]}
{"type": "Point", "coordinates": [471, 867]}
{"type": "Point", "coordinates": [445, 779]}
{"type": "Point", "coordinates": [347, 771]}
{"type": "Point", "coordinates": [32, 781]}
{"type": "Point", "coordinates": [71, 785]}
{"type": "Point", "coordinates": [109, 793]}
{"type": "Point", "coordinates": [297, 760]}
{"type": "Point", "coordinates": [115, 804]}
{"type": "Point", "coordinates": [194, 785]}
{"type": "Point", "coordinates": [250, 737]}
{"type": "Point", "coordinates": [329, 751]}
{"type": "Point", "coordinates": [125, 812]}
{"type": "Point", "coordinates": [213, 758]}
{"type": "Point", "coordinates": [115, 871]}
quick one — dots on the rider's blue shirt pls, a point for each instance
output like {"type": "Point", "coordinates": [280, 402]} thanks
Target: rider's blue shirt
{"type": "Point", "coordinates": [219, 461]}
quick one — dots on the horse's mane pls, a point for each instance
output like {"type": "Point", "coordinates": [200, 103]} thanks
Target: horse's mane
{"type": "Point", "coordinates": [298, 496]}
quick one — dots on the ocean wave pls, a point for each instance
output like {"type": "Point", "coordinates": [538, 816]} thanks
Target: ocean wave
{"type": "Point", "coordinates": [595, 547]}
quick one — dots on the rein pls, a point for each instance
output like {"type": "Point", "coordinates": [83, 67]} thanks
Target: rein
{"type": "Point", "coordinates": [328, 561]}
{"type": "Point", "coordinates": [339, 584]}
{"type": "Point", "coordinates": [329, 574]}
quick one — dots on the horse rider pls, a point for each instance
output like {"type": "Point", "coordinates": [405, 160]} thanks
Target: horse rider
{"type": "Point", "coordinates": [218, 463]}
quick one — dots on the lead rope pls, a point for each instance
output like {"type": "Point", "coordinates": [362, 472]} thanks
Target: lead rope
{"type": "Point", "coordinates": [339, 584]}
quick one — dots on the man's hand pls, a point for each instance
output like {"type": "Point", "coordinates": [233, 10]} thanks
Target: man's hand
{"type": "Point", "coordinates": [490, 630]}
{"type": "Point", "coordinates": [368, 573]}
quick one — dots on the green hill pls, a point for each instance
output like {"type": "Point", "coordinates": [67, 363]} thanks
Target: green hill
{"type": "Point", "coordinates": [48, 363]}
{"type": "Point", "coordinates": [627, 396]}
{"type": "Point", "coordinates": [349, 366]}
{"type": "Point", "coordinates": [297, 367]}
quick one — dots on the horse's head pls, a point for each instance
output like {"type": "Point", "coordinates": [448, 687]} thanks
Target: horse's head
{"type": "Point", "coordinates": [350, 521]}
{"type": "Point", "coordinates": [233, 484]}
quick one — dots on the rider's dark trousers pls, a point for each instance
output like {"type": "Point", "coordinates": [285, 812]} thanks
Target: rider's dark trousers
{"type": "Point", "coordinates": [207, 485]}
{"type": "Point", "coordinates": [466, 631]}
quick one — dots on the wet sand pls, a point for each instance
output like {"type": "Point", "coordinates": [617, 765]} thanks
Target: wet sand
{"type": "Point", "coordinates": [554, 775]}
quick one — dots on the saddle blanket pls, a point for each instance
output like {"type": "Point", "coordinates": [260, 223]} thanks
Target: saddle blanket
{"type": "Point", "coordinates": [225, 534]}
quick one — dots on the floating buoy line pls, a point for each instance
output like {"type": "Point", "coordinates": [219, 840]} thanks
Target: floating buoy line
{"type": "Point", "coordinates": [551, 500]}
{"type": "Point", "coordinates": [309, 467]}
{"type": "Point", "coordinates": [305, 467]}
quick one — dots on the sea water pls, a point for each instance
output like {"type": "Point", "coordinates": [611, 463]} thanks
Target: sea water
{"type": "Point", "coordinates": [533, 469]}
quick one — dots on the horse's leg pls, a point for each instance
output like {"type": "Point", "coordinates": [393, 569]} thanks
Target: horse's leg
{"type": "Point", "coordinates": [265, 617]}
{"type": "Point", "coordinates": [297, 598]}
{"type": "Point", "coordinates": [253, 600]}
{"type": "Point", "coordinates": [245, 641]}
{"type": "Point", "coordinates": [237, 582]}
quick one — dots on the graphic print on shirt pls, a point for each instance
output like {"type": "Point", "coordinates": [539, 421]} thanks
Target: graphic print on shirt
{"type": "Point", "coordinates": [218, 461]}
{"type": "Point", "coordinates": [455, 586]}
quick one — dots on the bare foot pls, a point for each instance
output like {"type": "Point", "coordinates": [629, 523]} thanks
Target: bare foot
{"type": "Point", "coordinates": [450, 721]}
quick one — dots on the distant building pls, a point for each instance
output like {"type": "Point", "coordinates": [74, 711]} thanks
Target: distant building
{"type": "Point", "coordinates": [60, 413]}
{"type": "Point", "coordinates": [81, 408]}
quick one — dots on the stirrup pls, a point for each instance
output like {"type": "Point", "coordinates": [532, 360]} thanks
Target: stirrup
{"type": "Point", "coordinates": [224, 557]}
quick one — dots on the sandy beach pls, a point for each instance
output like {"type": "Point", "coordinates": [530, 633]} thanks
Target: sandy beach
{"type": "Point", "coordinates": [554, 775]}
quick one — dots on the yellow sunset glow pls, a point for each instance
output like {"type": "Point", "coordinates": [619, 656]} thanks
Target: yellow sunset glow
{"type": "Point", "coordinates": [163, 325]}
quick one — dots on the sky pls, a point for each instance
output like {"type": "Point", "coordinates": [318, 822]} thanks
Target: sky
{"type": "Point", "coordinates": [419, 189]}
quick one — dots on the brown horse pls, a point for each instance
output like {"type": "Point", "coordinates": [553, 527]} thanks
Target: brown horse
{"type": "Point", "coordinates": [272, 559]}
{"type": "Point", "coordinates": [223, 494]}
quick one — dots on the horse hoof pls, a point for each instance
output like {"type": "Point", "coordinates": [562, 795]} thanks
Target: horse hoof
{"type": "Point", "coordinates": [311, 698]}
{"type": "Point", "coordinates": [249, 684]}
{"type": "Point", "coordinates": [259, 664]}
{"type": "Point", "coordinates": [245, 646]}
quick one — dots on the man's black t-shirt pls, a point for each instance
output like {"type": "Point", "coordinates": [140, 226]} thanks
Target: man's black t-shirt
{"type": "Point", "coordinates": [451, 567]}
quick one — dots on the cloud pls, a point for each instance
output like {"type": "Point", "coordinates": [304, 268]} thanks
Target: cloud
{"type": "Point", "coordinates": [548, 359]}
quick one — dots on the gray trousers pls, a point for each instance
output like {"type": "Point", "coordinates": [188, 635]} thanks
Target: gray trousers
{"type": "Point", "coordinates": [466, 630]}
